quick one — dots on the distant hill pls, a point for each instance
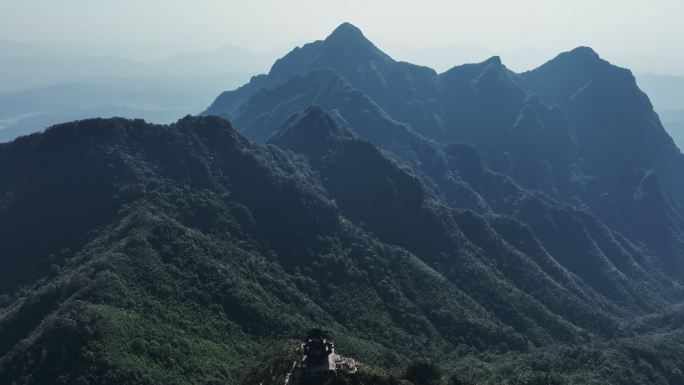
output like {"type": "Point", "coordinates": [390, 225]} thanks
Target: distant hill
{"type": "Point", "coordinates": [27, 66]}
{"type": "Point", "coordinates": [160, 99]}
{"type": "Point", "coordinates": [41, 86]}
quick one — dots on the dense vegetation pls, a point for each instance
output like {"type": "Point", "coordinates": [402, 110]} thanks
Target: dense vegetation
{"type": "Point", "coordinates": [185, 254]}
{"type": "Point", "coordinates": [209, 253]}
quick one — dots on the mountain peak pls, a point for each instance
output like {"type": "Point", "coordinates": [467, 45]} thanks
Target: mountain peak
{"type": "Point", "coordinates": [346, 50]}
{"type": "Point", "coordinates": [496, 60]}
{"type": "Point", "coordinates": [348, 37]}
{"type": "Point", "coordinates": [346, 30]}
{"type": "Point", "coordinates": [310, 131]}
{"type": "Point", "coordinates": [576, 68]}
{"type": "Point", "coordinates": [582, 52]}
{"type": "Point", "coordinates": [579, 55]}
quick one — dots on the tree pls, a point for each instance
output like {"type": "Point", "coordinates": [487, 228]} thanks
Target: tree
{"type": "Point", "coordinates": [422, 372]}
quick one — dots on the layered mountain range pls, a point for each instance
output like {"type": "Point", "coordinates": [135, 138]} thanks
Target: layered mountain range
{"type": "Point", "coordinates": [577, 128]}
{"type": "Point", "coordinates": [512, 228]}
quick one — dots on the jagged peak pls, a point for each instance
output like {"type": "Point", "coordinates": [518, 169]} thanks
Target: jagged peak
{"type": "Point", "coordinates": [495, 60]}
{"type": "Point", "coordinates": [474, 69]}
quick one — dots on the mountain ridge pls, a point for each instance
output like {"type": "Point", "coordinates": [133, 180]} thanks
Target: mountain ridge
{"type": "Point", "coordinates": [459, 219]}
{"type": "Point", "coordinates": [204, 204]}
{"type": "Point", "coordinates": [542, 127]}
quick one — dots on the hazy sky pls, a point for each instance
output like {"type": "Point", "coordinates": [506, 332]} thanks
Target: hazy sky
{"type": "Point", "coordinates": [644, 35]}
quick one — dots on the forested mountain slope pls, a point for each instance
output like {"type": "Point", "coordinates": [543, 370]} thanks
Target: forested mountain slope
{"type": "Point", "coordinates": [509, 228]}
{"type": "Point", "coordinates": [192, 249]}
